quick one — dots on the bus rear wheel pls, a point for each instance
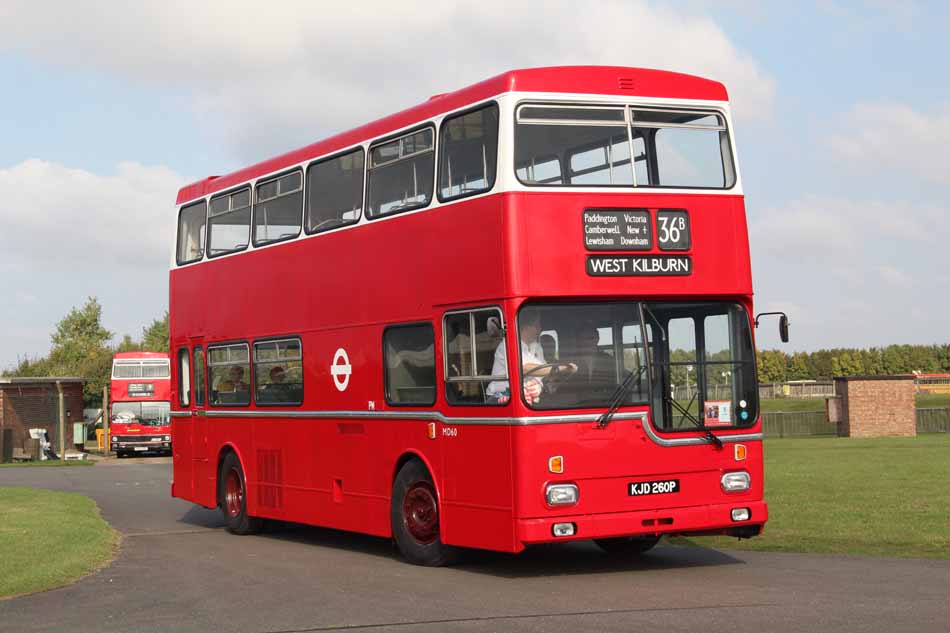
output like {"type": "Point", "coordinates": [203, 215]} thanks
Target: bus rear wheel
{"type": "Point", "coordinates": [627, 545]}
{"type": "Point", "coordinates": [232, 498]}
{"type": "Point", "coordinates": [414, 513]}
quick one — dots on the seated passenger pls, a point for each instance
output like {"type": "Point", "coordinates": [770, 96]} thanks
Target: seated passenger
{"type": "Point", "coordinates": [594, 366]}
{"type": "Point", "coordinates": [235, 381]}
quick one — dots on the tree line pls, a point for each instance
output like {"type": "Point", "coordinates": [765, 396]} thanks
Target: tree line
{"type": "Point", "coordinates": [81, 347]}
{"type": "Point", "coordinates": [777, 366]}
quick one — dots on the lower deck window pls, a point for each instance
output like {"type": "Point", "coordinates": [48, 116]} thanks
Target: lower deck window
{"type": "Point", "coordinates": [229, 371]}
{"type": "Point", "coordinates": [476, 368]}
{"type": "Point", "coordinates": [278, 372]}
{"type": "Point", "coordinates": [409, 356]}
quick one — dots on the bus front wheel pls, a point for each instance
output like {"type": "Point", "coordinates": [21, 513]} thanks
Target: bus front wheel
{"type": "Point", "coordinates": [232, 498]}
{"type": "Point", "coordinates": [414, 512]}
{"type": "Point", "coordinates": [627, 545]}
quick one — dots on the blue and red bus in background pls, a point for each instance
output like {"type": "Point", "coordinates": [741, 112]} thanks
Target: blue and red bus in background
{"type": "Point", "coordinates": [463, 325]}
{"type": "Point", "coordinates": [140, 395]}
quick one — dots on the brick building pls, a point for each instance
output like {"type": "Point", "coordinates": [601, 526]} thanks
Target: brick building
{"type": "Point", "coordinates": [876, 406]}
{"type": "Point", "coordinates": [31, 403]}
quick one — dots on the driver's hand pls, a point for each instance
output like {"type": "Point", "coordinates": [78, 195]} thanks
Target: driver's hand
{"type": "Point", "coordinates": [572, 367]}
{"type": "Point", "coordinates": [532, 390]}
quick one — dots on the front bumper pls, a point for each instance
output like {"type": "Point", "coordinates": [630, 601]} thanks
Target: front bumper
{"type": "Point", "coordinates": [143, 446]}
{"type": "Point", "coordinates": [712, 519]}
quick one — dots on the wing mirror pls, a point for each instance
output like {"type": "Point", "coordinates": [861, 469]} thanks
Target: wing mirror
{"type": "Point", "coordinates": [782, 323]}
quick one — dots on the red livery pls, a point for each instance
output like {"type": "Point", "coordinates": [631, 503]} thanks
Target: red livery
{"type": "Point", "coordinates": [140, 393]}
{"type": "Point", "coordinates": [517, 313]}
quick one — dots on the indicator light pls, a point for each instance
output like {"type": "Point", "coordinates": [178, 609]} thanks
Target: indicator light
{"type": "Point", "coordinates": [430, 430]}
{"type": "Point", "coordinates": [741, 452]}
{"type": "Point", "coordinates": [556, 464]}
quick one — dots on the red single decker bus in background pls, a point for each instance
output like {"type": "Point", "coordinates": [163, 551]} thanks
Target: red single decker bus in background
{"type": "Point", "coordinates": [140, 396]}
{"type": "Point", "coordinates": [463, 325]}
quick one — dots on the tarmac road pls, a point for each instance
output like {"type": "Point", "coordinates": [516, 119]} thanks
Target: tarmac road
{"type": "Point", "coordinates": [178, 570]}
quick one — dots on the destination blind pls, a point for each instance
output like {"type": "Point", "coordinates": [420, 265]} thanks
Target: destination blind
{"type": "Point", "coordinates": [639, 265]}
{"type": "Point", "coordinates": [617, 230]}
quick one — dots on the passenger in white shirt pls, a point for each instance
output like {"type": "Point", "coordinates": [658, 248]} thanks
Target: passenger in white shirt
{"type": "Point", "coordinates": [532, 355]}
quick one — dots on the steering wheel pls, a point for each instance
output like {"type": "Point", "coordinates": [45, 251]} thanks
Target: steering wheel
{"type": "Point", "coordinates": [555, 369]}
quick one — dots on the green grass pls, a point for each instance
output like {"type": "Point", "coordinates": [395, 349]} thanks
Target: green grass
{"type": "Point", "coordinates": [880, 497]}
{"type": "Point", "coordinates": [51, 463]}
{"type": "Point", "coordinates": [49, 539]}
{"type": "Point", "coordinates": [787, 405]}
{"type": "Point", "coordinates": [925, 400]}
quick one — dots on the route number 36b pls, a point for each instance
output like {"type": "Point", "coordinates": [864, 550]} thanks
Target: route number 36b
{"type": "Point", "coordinates": [673, 230]}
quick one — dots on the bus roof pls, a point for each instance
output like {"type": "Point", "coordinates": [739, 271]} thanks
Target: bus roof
{"type": "Point", "coordinates": [147, 355]}
{"type": "Point", "coordinates": [606, 80]}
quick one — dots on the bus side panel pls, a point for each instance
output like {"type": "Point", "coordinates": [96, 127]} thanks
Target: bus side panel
{"type": "Point", "coordinates": [477, 487]}
{"type": "Point", "coordinates": [182, 471]}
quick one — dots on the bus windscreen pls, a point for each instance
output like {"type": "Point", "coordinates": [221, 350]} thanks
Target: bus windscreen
{"type": "Point", "coordinates": [699, 367]}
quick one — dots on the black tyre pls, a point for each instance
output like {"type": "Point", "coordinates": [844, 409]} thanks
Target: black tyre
{"type": "Point", "coordinates": [414, 512]}
{"type": "Point", "coordinates": [627, 545]}
{"type": "Point", "coordinates": [232, 498]}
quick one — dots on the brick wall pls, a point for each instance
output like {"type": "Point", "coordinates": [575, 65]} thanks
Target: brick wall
{"type": "Point", "coordinates": [878, 406]}
{"type": "Point", "coordinates": [31, 406]}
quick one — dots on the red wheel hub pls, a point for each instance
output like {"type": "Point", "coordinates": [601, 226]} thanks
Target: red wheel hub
{"type": "Point", "coordinates": [421, 512]}
{"type": "Point", "coordinates": [234, 493]}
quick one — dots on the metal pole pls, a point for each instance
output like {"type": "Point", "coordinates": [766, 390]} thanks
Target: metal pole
{"type": "Point", "coordinates": [62, 421]}
{"type": "Point", "coordinates": [105, 419]}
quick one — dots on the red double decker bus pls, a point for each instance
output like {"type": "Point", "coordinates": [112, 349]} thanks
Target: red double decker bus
{"type": "Point", "coordinates": [140, 396]}
{"type": "Point", "coordinates": [465, 324]}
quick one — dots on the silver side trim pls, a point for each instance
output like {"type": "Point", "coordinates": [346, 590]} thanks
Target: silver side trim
{"type": "Point", "coordinates": [693, 441]}
{"type": "Point", "coordinates": [181, 414]}
{"type": "Point", "coordinates": [436, 416]}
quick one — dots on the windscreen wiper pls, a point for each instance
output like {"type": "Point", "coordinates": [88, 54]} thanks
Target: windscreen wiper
{"type": "Point", "coordinates": [616, 399]}
{"type": "Point", "coordinates": [689, 416]}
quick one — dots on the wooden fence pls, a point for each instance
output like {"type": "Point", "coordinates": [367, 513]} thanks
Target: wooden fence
{"type": "Point", "coordinates": [797, 424]}
{"type": "Point", "coordinates": [814, 423]}
{"type": "Point", "coordinates": [933, 420]}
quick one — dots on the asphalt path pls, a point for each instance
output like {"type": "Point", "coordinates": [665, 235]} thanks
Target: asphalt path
{"type": "Point", "coordinates": [178, 570]}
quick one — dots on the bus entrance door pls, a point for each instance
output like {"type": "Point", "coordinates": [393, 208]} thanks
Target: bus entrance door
{"type": "Point", "coordinates": [204, 477]}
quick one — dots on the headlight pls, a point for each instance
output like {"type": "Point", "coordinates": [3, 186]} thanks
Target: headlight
{"type": "Point", "coordinates": [561, 494]}
{"type": "Point", "coordinates": [735, 482]}
{"type": "Point", "coordinates": [168, 438]}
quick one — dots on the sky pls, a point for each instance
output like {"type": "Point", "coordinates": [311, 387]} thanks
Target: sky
{"type": "Point", "coordinates": [841, 117]}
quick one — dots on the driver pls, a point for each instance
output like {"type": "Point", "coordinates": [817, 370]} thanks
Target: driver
{"type": "Point", "coordinates": [532, 357]}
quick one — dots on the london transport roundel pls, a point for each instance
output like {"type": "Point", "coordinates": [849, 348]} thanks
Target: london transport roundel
{"type": "Point", "coordinates": [341, 369]}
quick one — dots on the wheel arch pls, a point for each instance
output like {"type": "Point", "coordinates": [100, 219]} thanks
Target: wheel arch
{"type": "Point", "coordinates": [226, 449]}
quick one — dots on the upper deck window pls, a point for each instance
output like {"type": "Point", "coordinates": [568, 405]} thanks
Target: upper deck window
{"type": "Point", "coordinates": [191, 233]}
{"type": "Point", "coordinates": [229, 221]}
{"type": "Point", "coordinates": [140, 369]}
{"type": "Point", "coordinates": [278, 208]}
{"type": "Point", "coordinates": [561, 145]}
{"type": "Point", "coordinates": [335, 191]}
{"type": "Point", "coordinates": [469, 148]}
{"type": "Point", "coordinates": [401, 174]}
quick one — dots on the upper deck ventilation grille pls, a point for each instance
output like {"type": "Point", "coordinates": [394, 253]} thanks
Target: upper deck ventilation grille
{"type": "Point", "coordinates": [626, 83]}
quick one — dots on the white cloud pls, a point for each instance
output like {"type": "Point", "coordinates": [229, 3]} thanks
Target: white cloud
{"type": "Point", "coordinates": [827, 228]}
{"type": "Point", "coordinates": [882, 137]}
{"type": "Point", "coordinates": [60, 217]}
{"type": "Point", "coordinates": [69, 234]}
{"type": "Point", "coordinates": [847, 270]}
{"type": "Point", "coordinates": [895, 277]}
{"type": "Point", "coordinates": [267, 78]}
